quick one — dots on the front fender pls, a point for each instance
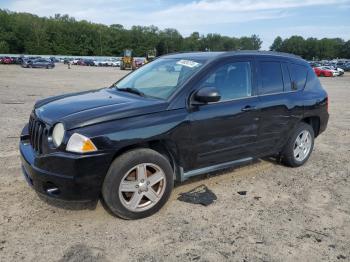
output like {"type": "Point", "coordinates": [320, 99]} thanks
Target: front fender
{"type": "Point", "coordinates": [171, 127]}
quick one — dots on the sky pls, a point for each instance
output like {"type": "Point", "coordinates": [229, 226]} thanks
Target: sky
{"type": "Point", "coordinates": [268, 19]}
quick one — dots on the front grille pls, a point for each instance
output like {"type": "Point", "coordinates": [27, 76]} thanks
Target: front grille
{"type": "Point", "coordinates": [37, 132]}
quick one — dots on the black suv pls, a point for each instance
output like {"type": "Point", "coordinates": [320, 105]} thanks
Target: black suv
{"type": "Point", "coordinates": [179, 116]}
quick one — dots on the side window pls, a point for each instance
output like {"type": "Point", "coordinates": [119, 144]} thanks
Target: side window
{"type": "Point", "coordinates": [286, 78]}
{"type": "Point", "coordinates": [233, 80]}
{"type": "Point", "coordinates": [298, 75]}
{"type": "Point", "coordinates": [271, 76]}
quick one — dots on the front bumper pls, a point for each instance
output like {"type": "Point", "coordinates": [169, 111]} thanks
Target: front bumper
{"type": "Point", "coordinates": [64, 175]}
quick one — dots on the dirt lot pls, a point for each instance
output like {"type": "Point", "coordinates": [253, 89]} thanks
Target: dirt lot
{"type": "Point", "coordinates": [302, 214]}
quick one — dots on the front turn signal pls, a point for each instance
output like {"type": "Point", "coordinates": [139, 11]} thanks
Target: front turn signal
{"type": "Point", "coordinates": [80, 144]}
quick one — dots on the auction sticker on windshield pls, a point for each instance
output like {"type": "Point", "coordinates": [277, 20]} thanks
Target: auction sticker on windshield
{"type": "Point", "coordinates": [188, 63]}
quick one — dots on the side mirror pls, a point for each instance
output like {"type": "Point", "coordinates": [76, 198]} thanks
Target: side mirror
{"type": "Point", "coordinates": [207, 95]}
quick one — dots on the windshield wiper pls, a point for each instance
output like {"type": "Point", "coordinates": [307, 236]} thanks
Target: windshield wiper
{"type": "Point", "coordinates": [131, 90]}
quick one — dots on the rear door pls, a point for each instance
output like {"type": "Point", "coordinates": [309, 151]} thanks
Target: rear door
{"type": "Point", "coordinates": [226, 130]}
{"type": "Point", "coordinates": [280, 104]}
{"type": "Point", "coordinates": [37, 63]}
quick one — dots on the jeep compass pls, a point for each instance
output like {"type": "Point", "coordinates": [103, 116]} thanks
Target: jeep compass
{"type": "Point", "coordinates": [179, 116]}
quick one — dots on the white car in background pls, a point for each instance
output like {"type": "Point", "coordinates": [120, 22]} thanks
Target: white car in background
{"type": "Point", "coordinates": [115, 63]}
{"type": "Point", "coordinates": [107, 62]}
{"type": "Point", "coordinates": [111, 62]}
{"type": "Point", "coordinates": [330, 68]}
{"type": "Point", "coordinates": [338, 69]}
{"type": "Point", "coordinates": [75, 61]}
{"type": "Point", "coordinates": [100, 62]}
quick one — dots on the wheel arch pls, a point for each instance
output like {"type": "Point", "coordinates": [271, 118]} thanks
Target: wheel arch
{"type": "Point", "coordinates": [314, 122]}
{"type": "Point", "coordinates": [164, 147]}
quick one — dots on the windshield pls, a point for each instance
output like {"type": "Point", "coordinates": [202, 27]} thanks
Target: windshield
{"type": "Point", "coordinates": [160, 78]}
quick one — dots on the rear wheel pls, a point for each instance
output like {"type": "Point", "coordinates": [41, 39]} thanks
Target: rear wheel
{"type": "Point", "coordinates": [299, 146]}
{"type": "Point", "coordinates": [138, 184]}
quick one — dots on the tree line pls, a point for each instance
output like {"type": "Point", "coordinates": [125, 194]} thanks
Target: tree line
{"type": "Point", "coordinates": [313, 48]}
{"type": "Point", "coordinates": [24, 33]}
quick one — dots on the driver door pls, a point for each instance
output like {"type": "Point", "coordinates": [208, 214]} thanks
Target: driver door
{"type": "Point", "coordinates": [226, 130]}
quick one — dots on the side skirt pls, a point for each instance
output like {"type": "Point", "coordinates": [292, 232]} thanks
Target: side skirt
{"type": "Point", "coordinates": [182, 176]}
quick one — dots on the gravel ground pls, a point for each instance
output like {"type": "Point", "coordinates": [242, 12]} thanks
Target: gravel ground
{"type": "Point", "coordinates": [300, 214]}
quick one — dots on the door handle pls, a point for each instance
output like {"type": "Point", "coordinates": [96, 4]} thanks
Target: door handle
{"type": "Point", "coordinates": [248, 108]}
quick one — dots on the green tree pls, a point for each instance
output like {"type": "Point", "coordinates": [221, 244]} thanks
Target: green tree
{"type": "Point", "coordinates": [250, 43]}
{"type": "Point", "coordinates": [4, 48]}
{"type": "Point", "coordinates": [294, 45]}
{"type": "Point", "coordinates": [313, 48]}
{"type": "Point", "coordinates": [345, 51]}
{"type": "Point", "coordinates": [277, 44]}
{"type": "Point", "coordinates": [24, 33]}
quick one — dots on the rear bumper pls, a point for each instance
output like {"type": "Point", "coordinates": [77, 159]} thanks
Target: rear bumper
{"type": "Point", "coordinates": [323, 123]}
{"type": "Point", "coordinates": [64, 175]}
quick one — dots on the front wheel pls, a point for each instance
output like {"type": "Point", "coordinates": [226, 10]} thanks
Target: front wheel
{"type": "Point", "coordinates": [299, 146]}
{"type": "Point", "coordinates": [138, 184]}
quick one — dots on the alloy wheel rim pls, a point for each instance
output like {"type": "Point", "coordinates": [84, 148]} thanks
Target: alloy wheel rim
{"type": "Point", "coordinates": [302, 146]}
{"type": "Point", "coordinates": [142, 187]}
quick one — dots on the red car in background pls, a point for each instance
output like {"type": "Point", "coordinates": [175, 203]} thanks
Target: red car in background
{"type": "Point", "coordinates": [6, 60]}
{"type": "Point", "coordinates": [323, 72]}
{"type": "Point", "coordinates": [81, 62]}
{"type": "Point", "coordinates": [138, 62]}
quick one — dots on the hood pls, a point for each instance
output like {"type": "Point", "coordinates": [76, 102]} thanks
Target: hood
{"type": "Point", "coordinates": [91, 107]}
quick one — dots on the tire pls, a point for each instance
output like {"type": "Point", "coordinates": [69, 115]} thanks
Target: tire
{"type": "Point", "coordinates": [289, 153]}
{"type": "Point", "coordinates": [134, 202]}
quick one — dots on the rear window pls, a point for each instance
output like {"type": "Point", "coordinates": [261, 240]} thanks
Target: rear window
{"type": "Point", "coordinates": [271, 75]}
{"type": "Point", "coordinates": [312, 79]}
{"type": "Point", "coordinates": [286, 78]}
{"type": "Point", "coordinates": [298, 75]}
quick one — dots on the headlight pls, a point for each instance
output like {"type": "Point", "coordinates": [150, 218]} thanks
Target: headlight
{"type": "Point", "coordinates": [80, 144]}
{"type": "Point", "coordinates": [58, 134]}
